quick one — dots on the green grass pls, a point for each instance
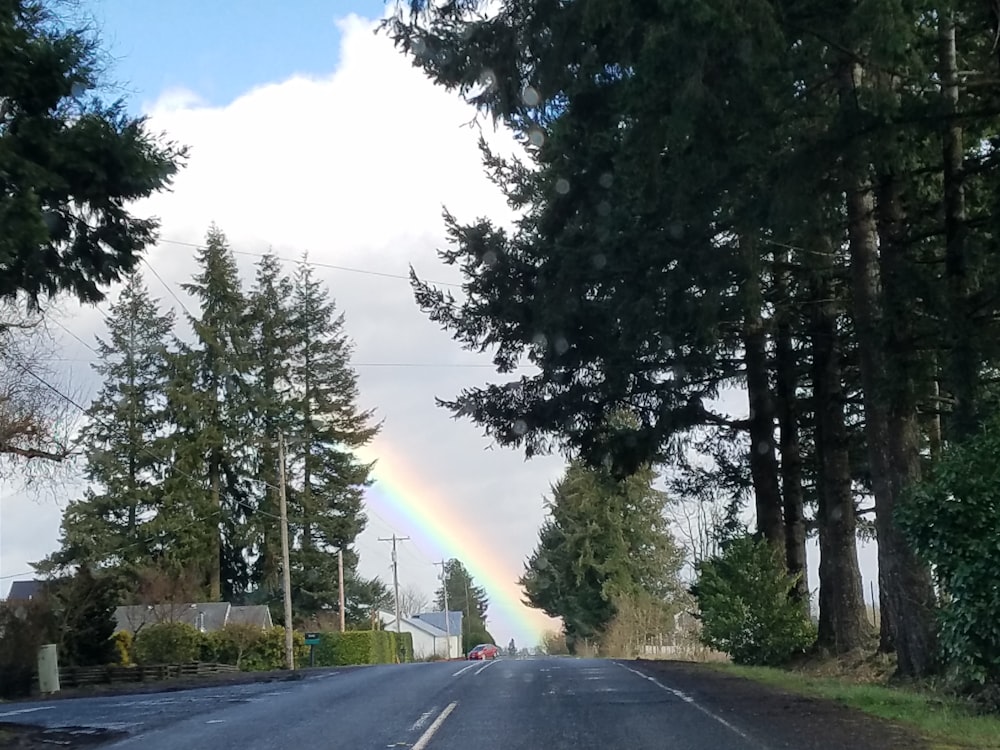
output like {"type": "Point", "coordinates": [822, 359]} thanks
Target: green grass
{"type": "Point", "coordinates": [945, 722]}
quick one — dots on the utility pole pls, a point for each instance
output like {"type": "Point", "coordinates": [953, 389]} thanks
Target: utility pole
{"type": "Point", "coordinates": [340, 587]}
{"type": "Point", "coordinates": [395, 570]}
{"type": "Point", "coordinates": [447, 619]}
{"type": "Point", "coordinates": [286, 573]}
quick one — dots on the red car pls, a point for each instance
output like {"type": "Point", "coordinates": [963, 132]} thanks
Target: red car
{"type": "Point", "coordinates": [484, 651]}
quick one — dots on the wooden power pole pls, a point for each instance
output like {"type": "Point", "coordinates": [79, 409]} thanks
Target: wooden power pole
{"type": "Point", "coordinates": [395, 571]}
{"type": "Point", "coordinates": [340, 588]}
{"type": "Point", "coordinates": [286, 573]}
{"type": "Point", "coordinates": [447, 618]}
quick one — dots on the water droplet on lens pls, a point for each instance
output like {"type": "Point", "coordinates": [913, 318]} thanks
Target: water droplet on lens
{"type": "Point", "coordinates": [536, 136]}
{"type": "Point", "coordinates": [606, 180]}
{"type": "Point", "coordinates": [600, 261]}
{"type": "Point", "coordinates": [530, 96]}
{"type": "Point", "coordinates": [562, 186]}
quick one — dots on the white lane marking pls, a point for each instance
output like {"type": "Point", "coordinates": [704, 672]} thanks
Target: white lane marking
{"type": "Point", "coordinates": [432, 729]}
{"type": "Point", "coordinates": [27, 711]}
{"type": "Point", "coordinates": [423, 719]}
{"type": "Point", "coordinates": [464, 669]}
{"type": "Point", "coordinates": [691, 702]}
{"type": "Point", "coordinates": [215, 721]}
{"type": "Point", "coordinates": [490, 664]}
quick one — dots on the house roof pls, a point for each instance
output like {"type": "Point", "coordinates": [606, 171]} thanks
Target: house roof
{"type": "Point", "coordinates": [437, 620]}
{"type": "Point", "coordinates": [255, 614]}
{"type": "Point", "coordinates": [210, 615]}
{"type": "Point", "coordinates": [412, 622]}
{"type": "Point", "coordinates": [24, 590]}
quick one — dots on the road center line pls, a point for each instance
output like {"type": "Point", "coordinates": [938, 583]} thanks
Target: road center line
{"type": "Point", "coordinates": [486, 667]}
{"type": "Point", "coordinates": [422, 720]}
{"type": "Point", "coordinates": [464, 669]}
{"type": "Point", "coordinates": [691, 702]}
{"type": "Point", "coordinates": [432, 729]}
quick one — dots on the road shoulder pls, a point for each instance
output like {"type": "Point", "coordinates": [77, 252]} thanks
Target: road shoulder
{"type": "Point", "coordinates": [784, 718]}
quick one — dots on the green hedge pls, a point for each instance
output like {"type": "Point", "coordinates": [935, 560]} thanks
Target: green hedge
{"type": "Point", "coordinates": [363, 647]}
{"type": "Point", "coordinates": [167, 643]}
{"type": "Point", "coordinates": [251, 649]}
{"type": "Point", "coordinates": [404, 647]}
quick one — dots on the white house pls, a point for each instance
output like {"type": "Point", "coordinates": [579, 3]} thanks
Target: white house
{"type": "Point", "coordinates": [427, 639]}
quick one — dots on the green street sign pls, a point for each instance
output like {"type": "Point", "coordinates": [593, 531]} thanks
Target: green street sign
{"type": "Point", "coordinates": [312, 639]}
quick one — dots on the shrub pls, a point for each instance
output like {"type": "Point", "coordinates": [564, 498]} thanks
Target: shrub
{"type": "Point", "coordinates": [124, 644]}
{"type": "Point", "coordinates": [24, 626]}
{"type": "Point", "coordinates": [747, 607]}
{"type": "Point", "coordinates": [952, 519]}
{"type": "Point", "coordinates": [358, 647]}
{"type": "Point", "coordinates": [553, 643]}
{"type": "Point", "coordinates": [168, 643]}
{"type": "Point", "coordinates": [404, 647]}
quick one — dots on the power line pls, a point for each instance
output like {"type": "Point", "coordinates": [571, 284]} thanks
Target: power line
{"type": "Point", "coordinates": [314, 263]}
{"type": "Point", "coordinates": [415, 365]}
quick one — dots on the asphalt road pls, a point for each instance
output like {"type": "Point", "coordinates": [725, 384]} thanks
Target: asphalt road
{"type": "Point", "coordinates": [541, 704]}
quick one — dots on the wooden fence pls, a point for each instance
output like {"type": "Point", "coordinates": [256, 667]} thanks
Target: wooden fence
{"type": "Point", "coordinates": [70, 677]}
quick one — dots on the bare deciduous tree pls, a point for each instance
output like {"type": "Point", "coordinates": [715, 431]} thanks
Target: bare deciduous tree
{"type": "Point", "coordinates": [413, 601]}
{"type": "Point", "coordinates": [694, 523]}
{"type": "Point", "coordinates": [37, 421]}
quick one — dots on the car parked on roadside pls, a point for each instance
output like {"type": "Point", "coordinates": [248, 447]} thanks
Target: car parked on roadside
{"type": "Point", "coordinates": [484, 651]}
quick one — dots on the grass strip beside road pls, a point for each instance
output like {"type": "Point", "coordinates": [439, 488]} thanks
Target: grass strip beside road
{"type": "Point", "coordinates": [947, 723]}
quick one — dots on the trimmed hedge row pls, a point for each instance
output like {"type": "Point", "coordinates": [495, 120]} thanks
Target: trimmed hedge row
{"type": "Point", "coordinates": [253, 650]}
{"type": "Point", "coordinates": [363, 647]}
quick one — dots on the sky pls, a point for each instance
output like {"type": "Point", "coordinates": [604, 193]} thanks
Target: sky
{"type": "Point", "coordinates": [310, 133]}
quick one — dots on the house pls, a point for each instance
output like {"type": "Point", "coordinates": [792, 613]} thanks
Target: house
{"type": "Point", "coordinates": [437, 620]}
{"type": "Point", "coordinates": [428, 639]}
{"type": "Point", "coordinates": [208, 617]}
{"type": "Point", "coordinates": [25, 591]}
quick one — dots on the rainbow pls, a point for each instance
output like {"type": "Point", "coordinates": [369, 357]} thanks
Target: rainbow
{"type": "Point", "coordinates": [402, 494]}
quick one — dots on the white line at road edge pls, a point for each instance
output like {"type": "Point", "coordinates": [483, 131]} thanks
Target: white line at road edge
{"type": "Point", "coordinates": [465, 669]}
{"type": "Point", "coordinates": [486, 667]}
{"type": "Point", "coordinates": [27, 711]}
{"type": "Point", "coordinates": [432, 729]}
{"type": "Point", "coordinates": [691, 702]}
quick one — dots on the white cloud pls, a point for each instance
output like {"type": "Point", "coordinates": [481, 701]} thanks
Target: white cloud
{"type": "Point", "coordinates": [354, 168]}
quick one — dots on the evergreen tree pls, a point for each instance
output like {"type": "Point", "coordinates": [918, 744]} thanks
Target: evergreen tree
{"type": "Point", "coordinates": [111, 525]}
{"type": "Point", "coordinates": [466, 597]}
{"type": "Point", "coordinates": [271, 343]}
{"type": "Point", "coordinates": [71, 163]}
{"type": "Point", "coordinates": [463, 594]}
{"type": "Point", "coordinates": [84, 605]}
{"type": "Point", "coordinates": [327, 425]}
{"type": "Point", "coordinates": [603, 539]}
{"type": "Point", "coordinates": [210, 404]}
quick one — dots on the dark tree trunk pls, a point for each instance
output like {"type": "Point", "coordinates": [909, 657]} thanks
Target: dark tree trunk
{"type": "Point", "coordinates": [843, 625]}
{"type": "Point", "coordinates": [909, 592]}
{"type": "Point", "coordinates": [962, 362]}
{"type": "Point", "coordinates": [215, 560]}
{"type": "Point", "coordinates": [891, 426]}
{"type": "Point", "coordinates": [763, 462]}
{"type": "Point", "coordinates": [786, 386]}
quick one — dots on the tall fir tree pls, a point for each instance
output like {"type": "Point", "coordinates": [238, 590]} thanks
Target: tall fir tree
{"type": "Point", "coordinates": [111, 525]}
{"type": "Point", "coordinates": [272, 340]}
{"type": "Point", "coordinates": [327, 426]}
{"type": "Point", "coordinates": [210, 403]}
{"type": "Point", "coordinates": [603, 539]}
{"type": "Point", "coordinates": [463, 596]}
